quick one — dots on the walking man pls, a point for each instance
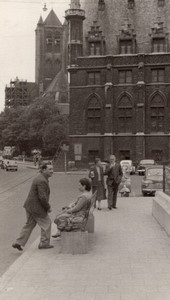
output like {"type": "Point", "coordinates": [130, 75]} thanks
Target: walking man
{"type": "Point", "coordinates": [37, 208]}
{"type": "Point", "coordinates": [114, 175]}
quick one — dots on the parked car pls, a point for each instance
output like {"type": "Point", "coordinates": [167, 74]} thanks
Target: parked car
{"type": "Point", "coordinates": [9, 165]}
{"type": "Point", "coordinates": [143, 164]}
{"type": "Point", "coordinates": [128, 165]}
{"type": "Point", "coordinates": [153, 180]}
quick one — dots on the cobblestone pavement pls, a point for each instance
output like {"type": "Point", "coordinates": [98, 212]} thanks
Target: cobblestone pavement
{"type": "Point", "coordinates": [128, 259]}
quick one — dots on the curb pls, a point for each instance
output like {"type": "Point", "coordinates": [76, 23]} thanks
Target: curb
{"type": "Point", "coordinates": [16, 266]}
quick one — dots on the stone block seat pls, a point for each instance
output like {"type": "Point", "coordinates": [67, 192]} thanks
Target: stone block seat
{"type": "Point", "coordinates": [161, 210]}
{"type": "Point", "coordinates": [76, 242]}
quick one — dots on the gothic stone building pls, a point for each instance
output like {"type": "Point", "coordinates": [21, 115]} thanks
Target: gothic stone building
{"type": "Point", "coordinates": [119, 64]}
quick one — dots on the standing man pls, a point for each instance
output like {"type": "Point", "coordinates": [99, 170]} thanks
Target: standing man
{"type": "Point", "coordinates": [97, 177]}
{"type": "Point", "coordinates": [37, 208]}
{"type": "Point", "coordinates": [114, 173]}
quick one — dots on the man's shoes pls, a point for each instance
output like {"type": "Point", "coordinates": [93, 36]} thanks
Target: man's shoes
{"type": "Point", "coordinates": [17, 246]}
{"type": "Point", "coordinates": [110, 208]}
{"type": "Point", "coordinates": [99, 208]}
{"type": "Point", "coordinates": [56, 235]}
{"type": "Point", "coordinates": [45, 246]}
{"type": "Point", "coordinates": [114, 207]}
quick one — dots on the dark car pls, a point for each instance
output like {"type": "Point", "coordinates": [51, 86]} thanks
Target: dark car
{"type": "Point", "coordinates": [153, 180]}
{"type": "Point", "coordinates": [144, 163]}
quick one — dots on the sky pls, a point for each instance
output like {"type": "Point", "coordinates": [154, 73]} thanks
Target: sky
{"type": "Point", "coordinates": [18, 21]}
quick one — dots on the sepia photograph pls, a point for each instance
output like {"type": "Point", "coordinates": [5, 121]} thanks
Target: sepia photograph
{"type": "Point", "coordinates": [85, 150]}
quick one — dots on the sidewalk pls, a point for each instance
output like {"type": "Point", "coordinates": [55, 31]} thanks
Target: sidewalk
{"type": "Point", "coordinates": [128, 259]}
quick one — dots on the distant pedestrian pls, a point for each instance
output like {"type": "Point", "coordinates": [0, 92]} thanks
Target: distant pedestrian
{"type": "Point", "coordinates": [114, 175]}
{"type": "Point", "coordinates": [37, 208]}
{"type": "Point", "coordinates": [97, 177]}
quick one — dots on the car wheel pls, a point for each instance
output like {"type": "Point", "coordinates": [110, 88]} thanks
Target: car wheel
{"type": "Point", "coordinates": [7, 169]}
{"type": "Point", "coordinates": [144, 194]}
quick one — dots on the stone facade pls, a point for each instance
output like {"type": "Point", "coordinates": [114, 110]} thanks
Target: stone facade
{"type": "Point", "coordinates": [120, 88]}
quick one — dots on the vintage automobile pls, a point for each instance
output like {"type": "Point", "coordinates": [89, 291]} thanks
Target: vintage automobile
{"type": "Point", "coordinates": [152, 181]}
{"type": "Point", "coordinates": [9, 165]}
{"type": "Point", "coordinates": [144, 163]}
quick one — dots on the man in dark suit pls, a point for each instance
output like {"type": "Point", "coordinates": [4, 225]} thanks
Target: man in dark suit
{"type": "Point", "coordinates": [114, 175]}
{"type": "Point", "coordinates": [37, 208]}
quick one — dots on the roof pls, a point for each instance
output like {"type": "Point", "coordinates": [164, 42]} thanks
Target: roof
{"type": "Point", "coordinates": [52, 20]}
{"type": "Point", "coordinates": [59, 83]}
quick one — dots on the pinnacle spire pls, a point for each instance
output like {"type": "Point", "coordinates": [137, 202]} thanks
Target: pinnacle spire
{"type": "Point", "coordinates": [40, 22]}
{"type": "Point", "coordinates": [75, 4]}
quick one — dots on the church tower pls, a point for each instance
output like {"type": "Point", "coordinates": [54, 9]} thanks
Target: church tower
{"type": "Point", "coordinates": [75, 17]}
{"type": "Point", "coordinates": [48, 50]}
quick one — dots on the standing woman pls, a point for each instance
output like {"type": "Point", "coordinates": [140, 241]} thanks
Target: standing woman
{"type": "Point", "coordinates": [97, 177]}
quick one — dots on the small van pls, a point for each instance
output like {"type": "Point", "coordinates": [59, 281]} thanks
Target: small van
{"type": "Point", "coordinates": [128, 165]}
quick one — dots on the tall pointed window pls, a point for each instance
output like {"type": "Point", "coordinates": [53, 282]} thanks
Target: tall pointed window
{"type": "Point", "coordinates": [94, 116]}
{"type": "Point", "coordinates": [57, 42]}
{"type": "Point", "coordinates": [101, 5]}
{"type": "Point", "coordinates": [125, 115]}
{"type": "Point", "coordinates": [131, 4]}
{"type": "Point", "coordinates": [48, 68]}
{"type": "Point", "coordinates": [157, 114]}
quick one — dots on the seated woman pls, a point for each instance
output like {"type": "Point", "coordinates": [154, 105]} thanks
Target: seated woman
{"type": "Point", "coordinates": [73, 215]}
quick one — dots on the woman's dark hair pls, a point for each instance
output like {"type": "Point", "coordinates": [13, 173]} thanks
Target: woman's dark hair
{"type": "Point", "coordinates": [86, 182]}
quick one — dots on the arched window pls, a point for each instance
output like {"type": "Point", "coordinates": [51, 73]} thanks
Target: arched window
{"type": "Point", "coordinates": [49, 42]}
{"type": "Point", "coordinates": [48, 68]}
{"type": "Point", "coordinates": [94, 116]}
{"type": "Point", "coordinates": [157, 114]}
{"type": "Point", "coordinates": [125, 115]}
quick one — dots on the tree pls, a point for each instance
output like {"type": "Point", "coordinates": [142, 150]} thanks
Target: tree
{"type": "Point", "coordinates": [38, 126]}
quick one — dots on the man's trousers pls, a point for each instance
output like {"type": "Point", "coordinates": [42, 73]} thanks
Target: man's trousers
{"type": "Point", "coordinates": [45, 225]}
{"type": "Point", "coordinates": [112, 195]}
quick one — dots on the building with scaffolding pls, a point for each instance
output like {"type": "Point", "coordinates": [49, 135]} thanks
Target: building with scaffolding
{"type": "Point", "coordinates": [20, 93]}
